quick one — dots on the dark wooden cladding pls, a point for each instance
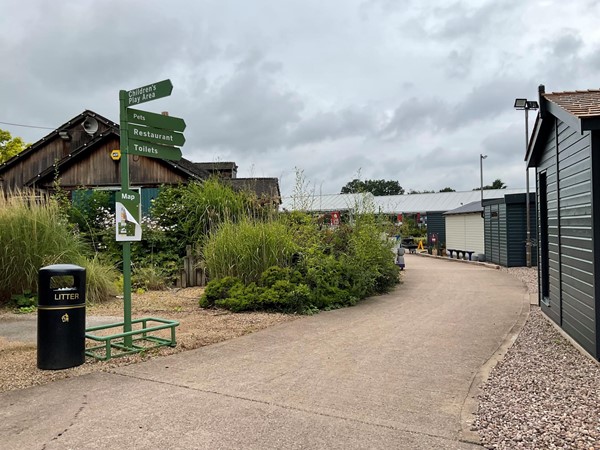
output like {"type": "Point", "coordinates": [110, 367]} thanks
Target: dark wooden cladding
{"type": "Point", "coordinates": [30, 165]}
{"type": "Point", "coordinates": [96, 169]}
{"type": "Point", "coordinates": [505, 228]}
{"type": "Point", "coordinates": [567, 163]}
{"type": "Point", "coordinates": [152, 171]}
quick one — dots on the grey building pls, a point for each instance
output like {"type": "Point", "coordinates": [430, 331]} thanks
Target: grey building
{"type": "Point", "coordinates": [565, 151]}
{"type": "Point", "coordinates": [505, 229]}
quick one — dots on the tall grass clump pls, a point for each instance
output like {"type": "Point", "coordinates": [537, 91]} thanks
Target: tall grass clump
{"type": "Point", "coordinates": [100, 278]}
{"type": "Point", "coordinates": [195, 210]}
{"type": "Point", "coordinates": [34, 233]}
{"type": "Point", "coordinates": [246, 249]}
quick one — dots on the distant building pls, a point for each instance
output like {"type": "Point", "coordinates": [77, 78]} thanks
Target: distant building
{"type": "Point", "coordinates": [79, 152]}
{"type": "Point", "coordinates": [464, 228]}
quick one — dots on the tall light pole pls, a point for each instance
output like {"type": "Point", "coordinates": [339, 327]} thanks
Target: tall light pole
{"type": "Point", "coordinates": [526, 105]}
{"type": "Point", "coordinates": [481, 158]}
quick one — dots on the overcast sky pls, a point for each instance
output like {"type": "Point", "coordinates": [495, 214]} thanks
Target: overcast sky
{"type": "Point", "coordinates": [401, 90]}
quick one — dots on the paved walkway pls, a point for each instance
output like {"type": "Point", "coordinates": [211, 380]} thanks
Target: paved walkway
{"type": "Point", "coordinates": [396, 371]}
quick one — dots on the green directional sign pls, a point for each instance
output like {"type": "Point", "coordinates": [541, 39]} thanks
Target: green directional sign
{"type": "Point", "coordinates": [155, 120]}
{"type": "Point", "coordinates": [150, 92]}
{"type": "Point", "coordinates": [151, 150]}
{"type": "Point", "coordinates": [156, 135]}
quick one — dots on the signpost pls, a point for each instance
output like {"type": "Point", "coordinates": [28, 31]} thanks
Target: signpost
{"type": "Point", "coordinates": [145, 134]}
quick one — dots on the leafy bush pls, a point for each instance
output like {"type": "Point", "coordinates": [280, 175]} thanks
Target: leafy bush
{"type": "Point", "coordinates": [319, 268]}
{"type": "Point", "coordinates": [84, 212]}
{"type": "Point", "coordinates": [218, 289]}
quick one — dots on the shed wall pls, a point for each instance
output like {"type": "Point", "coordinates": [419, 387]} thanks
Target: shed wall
{"type": "Point", "coordinates": [571, 301]}
{"type": "Point", "coordinates": [437, 224]}
{"type": "Point", "coordinates": [516, 234]}
{"type": "Point", "coordinates": [465, 232]}
{"type": "Point", "coordinates": [495, 234]}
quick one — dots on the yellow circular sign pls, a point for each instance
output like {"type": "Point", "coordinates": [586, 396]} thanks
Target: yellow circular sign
{"type": "Point", "coordinates": [115, 154]}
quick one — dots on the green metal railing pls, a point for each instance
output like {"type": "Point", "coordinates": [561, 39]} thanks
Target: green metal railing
{"type": "Point", "coordinates": [129, 342]}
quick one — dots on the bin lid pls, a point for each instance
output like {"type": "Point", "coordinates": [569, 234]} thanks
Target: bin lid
{"type": "Point", "coordinates": [63, 268]}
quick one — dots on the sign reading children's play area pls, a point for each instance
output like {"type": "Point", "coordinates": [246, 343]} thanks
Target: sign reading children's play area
{"type": "Point", "coordinates": [150, 135]}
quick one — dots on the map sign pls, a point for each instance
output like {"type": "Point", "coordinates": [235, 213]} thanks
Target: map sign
{"type": "Point", "coordinates": [128, 214]}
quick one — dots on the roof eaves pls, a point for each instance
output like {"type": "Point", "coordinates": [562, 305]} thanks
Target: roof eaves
{"type": "Point", "coordinates": [189, 169]}
{"type": "Point", "coordinates": [564, 115]}
{"type": "Point", "coordinates": [33, 147]}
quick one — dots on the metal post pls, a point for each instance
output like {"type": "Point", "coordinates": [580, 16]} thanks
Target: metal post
{"type": "Point", "coordinates": [528, 239]}
{"type": "Point", "coordinates": [128, 340]}
{"type": "Point", "coordinates": [481, 158]}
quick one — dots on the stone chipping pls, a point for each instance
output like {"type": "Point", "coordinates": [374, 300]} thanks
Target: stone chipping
{"type": "Point", "coordinates": [544, 394]}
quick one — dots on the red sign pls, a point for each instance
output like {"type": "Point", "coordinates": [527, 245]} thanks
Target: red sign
{"type": "Point", "coordinates": [399, 217]}
{"type": "Point", "coordinates": [335, 218]}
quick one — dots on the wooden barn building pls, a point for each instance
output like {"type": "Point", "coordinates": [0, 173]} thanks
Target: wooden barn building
{"type": "Point", "coordinates": [78, 153]}
{"type": "Point", "coordinates": [565, 151]}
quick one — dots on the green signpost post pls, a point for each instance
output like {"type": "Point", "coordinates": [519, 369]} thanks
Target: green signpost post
{"type": "Point", "coordinates": [152, 135]}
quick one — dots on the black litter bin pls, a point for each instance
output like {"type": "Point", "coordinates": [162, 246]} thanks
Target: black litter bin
{"type": "Point", "coordinates": [61, 317]}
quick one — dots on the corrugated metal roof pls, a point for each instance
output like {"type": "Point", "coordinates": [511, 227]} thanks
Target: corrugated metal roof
{"type": "Point", "coordinates": [393, 204]}
{"type": "Point", "coordinates": [440, 201]}
{"type": "Point", "coordinates": [334, 202]}
{"type": "Point", "coordinates": [473, 207]}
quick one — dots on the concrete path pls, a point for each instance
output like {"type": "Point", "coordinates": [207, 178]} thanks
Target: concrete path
{"type": "Point", "coordinates": [397, 371]}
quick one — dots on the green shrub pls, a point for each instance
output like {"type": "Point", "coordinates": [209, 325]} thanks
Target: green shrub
{"type": "Point", "coordinates": [294, 266]}
{"type": "Point", "coordinates": [242, 298]}
{"type": "Point", "coordinates": [25, 300]}
{"type": "Point", "coordinates": [275, 273]}
{"type": "Point", "coordinates": [87, 212]}
{"type": "Point", "coordinates": [218, 290]}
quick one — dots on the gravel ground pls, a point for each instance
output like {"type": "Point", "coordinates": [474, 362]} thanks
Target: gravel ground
{"type": "Point", "coordinates": [544, 394]}
{"type": "Point", "coordinates": [198, 327]}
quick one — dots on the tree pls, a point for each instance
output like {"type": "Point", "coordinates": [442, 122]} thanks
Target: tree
{"type": "Point", "coordinates": [375, 187]}
{"type": "Point", "coordinates": [413, 191]}
{"type": "Point", "coordinates": [497, 184]}
{"type": "Point", "coordinates": [447, 189]}
{"type": "Point", "coordinates": [9, 146]}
